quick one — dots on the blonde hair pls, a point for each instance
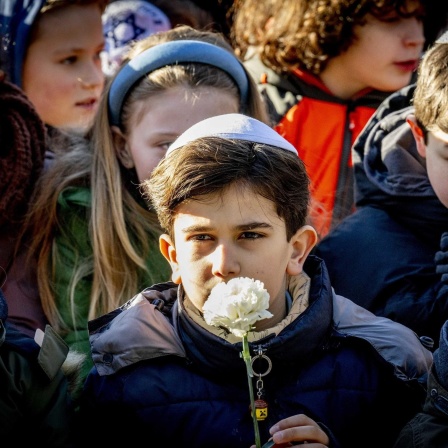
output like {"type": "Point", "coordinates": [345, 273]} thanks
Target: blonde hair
{"type": "Point", "coordinates": [430, 98]}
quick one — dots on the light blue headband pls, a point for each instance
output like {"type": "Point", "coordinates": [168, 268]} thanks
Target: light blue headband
{"type": "Point", "coordinates": [172, 53]}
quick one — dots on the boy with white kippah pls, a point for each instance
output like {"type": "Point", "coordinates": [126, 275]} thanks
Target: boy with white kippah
{"type": "Point", "coordinates": [232, 196]}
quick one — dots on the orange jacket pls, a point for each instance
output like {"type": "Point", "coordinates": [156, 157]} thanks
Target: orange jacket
{"type": "Point", "coordinates": [323, 129]}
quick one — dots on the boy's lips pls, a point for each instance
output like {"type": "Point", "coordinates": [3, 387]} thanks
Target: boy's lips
{"type": "Point", "coordinates": [408, 66]}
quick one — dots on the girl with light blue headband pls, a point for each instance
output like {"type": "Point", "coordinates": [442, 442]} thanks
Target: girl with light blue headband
{"type": "Point", "coordinates": [97, 243]}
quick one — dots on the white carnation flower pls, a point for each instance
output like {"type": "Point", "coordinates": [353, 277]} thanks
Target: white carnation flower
{"type": "Point", "coordinates": [237, 305]}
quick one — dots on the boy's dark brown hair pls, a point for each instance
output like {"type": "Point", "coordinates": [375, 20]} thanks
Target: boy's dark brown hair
{"type": "Point", "coordinates": [210, 165]}
{"type": "Point", "coordinates": [306, 34]}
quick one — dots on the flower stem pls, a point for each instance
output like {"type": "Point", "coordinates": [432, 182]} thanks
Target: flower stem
{"type": "Point", "coordinates": [246, 357]}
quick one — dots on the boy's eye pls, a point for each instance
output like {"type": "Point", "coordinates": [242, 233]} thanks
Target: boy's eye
{"type": "Point", "coordinates": [250, 235]}
{"type": "Point", "coordinates": [201, 237]}
{"type": "Point", "coordinates": [164, 145]}
{"type": "Point", "coordinates": [69, 60]}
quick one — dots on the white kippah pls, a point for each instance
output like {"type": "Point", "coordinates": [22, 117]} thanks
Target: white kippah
{"type": "Point", "coordinates": [233, 126]}
{"type": "Point", "coordinates": [443, 39]}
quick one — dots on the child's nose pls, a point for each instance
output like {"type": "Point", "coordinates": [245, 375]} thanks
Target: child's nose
{"type": "Point", "coordinates": [224, 262]}
{"type": "Point", "coordinates": [414, 34]}
{"type": "Point", "coordinates": [92, 76]}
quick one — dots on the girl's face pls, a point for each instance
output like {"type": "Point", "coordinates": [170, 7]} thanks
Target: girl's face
{"type": "Point", "coordinates": [156, 123]}
{"type": "Point", "coordinates": [383, 57]}
{"type": "Point", "coordinates": [435, 150]}
{"type": "Point", "coordinates": [62, 73]}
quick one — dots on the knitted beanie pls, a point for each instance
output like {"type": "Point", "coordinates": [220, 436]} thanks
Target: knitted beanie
{"type": "Point", "coordinates": [22, 150]}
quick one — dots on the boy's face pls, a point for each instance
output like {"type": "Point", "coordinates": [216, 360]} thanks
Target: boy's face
{"type": "Point", "coordinates": [436, 153]}
{"type": "Point", "coordinates": [238, 235]}
{"type": "Point", "coordinates": [62, 73]}
{"type": "Point", "coordinates": [383, 56]}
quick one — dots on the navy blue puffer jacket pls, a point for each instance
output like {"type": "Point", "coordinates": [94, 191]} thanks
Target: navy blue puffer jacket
{"type": "Point", "coordinates": [382, 256]}
{"type": "Point", "coordinates": [166, 380]}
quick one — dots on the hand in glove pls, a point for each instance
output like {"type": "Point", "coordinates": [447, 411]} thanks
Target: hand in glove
{"type": "Point", "coordinates": [441, 259]}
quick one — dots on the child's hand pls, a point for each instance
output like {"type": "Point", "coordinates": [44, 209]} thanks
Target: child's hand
{"type": "Point", "coordinates": [441, 258]}
{"type": "Point", "coordinates": [298, 428]}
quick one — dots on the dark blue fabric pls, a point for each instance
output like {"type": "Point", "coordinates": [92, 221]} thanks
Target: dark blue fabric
{"type": "Point", "coordinates": [382, 256]}
{"type": "Point", "coordinates": [3, 307]}
{"type": "Point", "coordinates": [202, 401]}
{"type": "Point", "coordinates": [441, 357]}
{"type": "Point", "coordinates": [429, 428]}
{"type": "Point", "coordinates": [13, 338]}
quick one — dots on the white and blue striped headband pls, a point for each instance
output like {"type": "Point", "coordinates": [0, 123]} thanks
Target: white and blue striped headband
{"type": "Point", "coordinates": [171, 53]}
{"type": "Point", "coordinates": [16, 20]}
{"type": "Point", "coordinates": [234, 127]}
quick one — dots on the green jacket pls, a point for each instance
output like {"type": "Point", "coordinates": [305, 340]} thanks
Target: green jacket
{"type": "Point", "coordinates": [73, 244]}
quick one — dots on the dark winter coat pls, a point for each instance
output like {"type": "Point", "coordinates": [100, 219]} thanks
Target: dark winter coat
{"type": "Point", "coordinates": [382, 256]}
{"type": "Point", "coordinates": [429, 429]}
{"type": "Point", "coordinates": [165, 379]}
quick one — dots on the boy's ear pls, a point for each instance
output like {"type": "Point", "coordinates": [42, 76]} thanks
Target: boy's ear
{"type": "Point", "coordinates": [169, 252]}
{"type": "Point", "coordinates": [302, 242]}
{"type": "Point", "coordinates": [122, 148]}
{"type": "Point", "coordinates": [418, 134]}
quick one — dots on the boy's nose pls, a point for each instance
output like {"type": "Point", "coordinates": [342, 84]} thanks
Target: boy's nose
{"type": "Point", "coordinates": [224, 262]}
{"type": "Point", "coordinates": [414, 34]}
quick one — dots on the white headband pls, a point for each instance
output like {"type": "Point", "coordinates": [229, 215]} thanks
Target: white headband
{"type": "Point", "coordinates": [233, 126]}
{"type": "Point", "coordinates": [443, 39]}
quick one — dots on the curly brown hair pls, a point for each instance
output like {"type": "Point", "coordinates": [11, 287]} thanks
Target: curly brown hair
{"type": "Point", "coordinates": [306, 34]}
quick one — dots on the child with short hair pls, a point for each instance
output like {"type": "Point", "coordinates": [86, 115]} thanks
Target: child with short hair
{"type": "Point", "coordinates": [232, 197]}
{"type": "Point", "coordinates": [324, 73]}
{"type": "Point", "coordinates": [52, 48]}
{"type": "Point", "coordinates": [429, 126]}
